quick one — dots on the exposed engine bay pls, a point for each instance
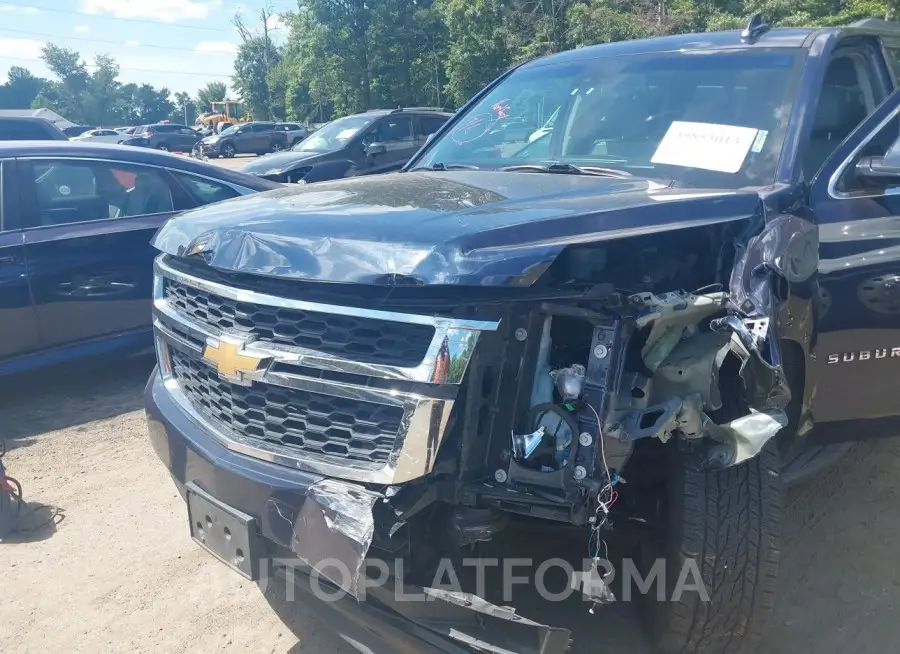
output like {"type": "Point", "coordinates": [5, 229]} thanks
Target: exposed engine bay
{"type": "Point", "coordinates": [559, 402]}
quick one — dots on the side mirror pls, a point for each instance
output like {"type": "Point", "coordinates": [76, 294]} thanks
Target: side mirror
{"type": "Point", "coordinates": [886, 167]}
{"type": "Point", "coordinates": [374, 149]}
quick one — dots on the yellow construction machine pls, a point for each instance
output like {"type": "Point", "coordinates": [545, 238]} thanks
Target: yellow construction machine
{"type": "Point", "coordinates": [226, 112]}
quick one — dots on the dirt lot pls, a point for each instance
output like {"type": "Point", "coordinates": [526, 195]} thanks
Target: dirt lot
{"type": "Point", "coordinates": [119, 572]}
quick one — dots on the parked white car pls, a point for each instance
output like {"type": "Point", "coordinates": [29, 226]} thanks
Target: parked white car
{"type": "Point", "coordinates": [100, 136]}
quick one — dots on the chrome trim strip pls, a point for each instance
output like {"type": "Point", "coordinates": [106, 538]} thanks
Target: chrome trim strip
{"type": "Point", "coordinates": [252, 297]}
{"type": "Point", "coordinates": [445, 361]}
{"type": "Point", "coordinates": [455, 344]}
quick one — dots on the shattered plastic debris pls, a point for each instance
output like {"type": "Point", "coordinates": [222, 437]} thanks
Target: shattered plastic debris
{"type": "Point", "coordinates": [336, 525]}
{"type": "Point", "coordinates": [745, 436]}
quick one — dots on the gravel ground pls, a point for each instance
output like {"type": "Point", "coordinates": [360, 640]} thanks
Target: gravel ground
{"type": "Point", "coordinates": [116, 571]}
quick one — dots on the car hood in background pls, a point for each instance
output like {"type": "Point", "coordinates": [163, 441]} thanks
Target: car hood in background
{"type": "Point", "coordinates": [281, 161]}
{"type": "Point", "coordinates": [473, 227]}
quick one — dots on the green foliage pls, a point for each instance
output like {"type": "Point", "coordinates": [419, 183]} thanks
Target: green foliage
{"type": "Point", "coordinates": [212, 92]}
{"type": "Point", "coordinates": [21, 89]}
{"type": "Point", "coordinates": [342, 56]}
{"type": "Point", "coordinates": [255, 73]}
{"type": "Point", "coordinates": [95, 97]}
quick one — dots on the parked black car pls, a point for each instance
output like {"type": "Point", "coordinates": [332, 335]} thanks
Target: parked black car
{"type": "Point", "coordinates": [377, 141]}
{"type": "Point", "coordinates": [689, 282]}
{"type": "Point", "coordinates": [28, 128]}
{"type": "Point", "coordinates": [246, 138]}
{"type": "Point", "coordinates": [77, 219]}
{"type": "Point", "coordinates": [168, 137]}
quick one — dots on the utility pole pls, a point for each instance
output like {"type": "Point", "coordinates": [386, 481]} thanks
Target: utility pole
{"type": "Point", "coordinates": [265, 13]}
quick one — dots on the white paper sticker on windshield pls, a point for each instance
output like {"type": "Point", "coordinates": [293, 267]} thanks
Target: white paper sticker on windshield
{"type": "Point", "coordinates": [722, 148]}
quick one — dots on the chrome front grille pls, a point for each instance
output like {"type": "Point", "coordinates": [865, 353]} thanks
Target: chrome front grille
{"type": "Point", "coordinates": [296, 419]}
{"type": "Point", "coordinates": [323, 393]}
{"type": "Point", "coordinates": [364, 339]}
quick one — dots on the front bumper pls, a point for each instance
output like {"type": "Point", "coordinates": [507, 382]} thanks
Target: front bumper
{"type": "Point", "coordinates": [279, 498]}
{"type": "Point", "coordinates": [205, 149]}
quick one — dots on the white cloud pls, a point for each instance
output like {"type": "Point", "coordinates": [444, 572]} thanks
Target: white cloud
{"type": "Point", "coordinates": [20, 48]}
{"type": "Point", "coordinates": [83, 28]}
{"type": "Point", "coordinates": [215, 47]}
{"type": "Point", "coordinates": [275, 22]}
{"type": "Point", "coordinates": [19, 9]}
{"type": "Point", "coordinates": [169, 11]}
{"type": "Point", "coordinates": [132, 44]}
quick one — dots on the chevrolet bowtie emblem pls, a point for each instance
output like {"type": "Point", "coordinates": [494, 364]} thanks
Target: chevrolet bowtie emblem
{"type": "Point", "coordinates": [232, 360]}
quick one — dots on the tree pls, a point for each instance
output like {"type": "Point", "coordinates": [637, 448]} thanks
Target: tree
{"type": "Point", "coordinates": [68, 94]}
{"type": "Point", "coordinates": [102, 96]}
{"type": "Point", "coordinates": [184, 108]}
{"type": "Point", "coordinates": [21, 88]}
{"type": "Point", "coordinates": [212, 92]}
{"type": "Point", "coordinates": [478, 52]}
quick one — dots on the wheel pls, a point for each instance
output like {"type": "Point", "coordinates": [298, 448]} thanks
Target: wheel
{"type": "Point", "coordinates": [163, 147]}
{"type": "Point", "coordinates": [728, 524]}
{"type": "Point", "coordinates": [276, 147]}
{"type": "Point", "coordinates": [228, 150]}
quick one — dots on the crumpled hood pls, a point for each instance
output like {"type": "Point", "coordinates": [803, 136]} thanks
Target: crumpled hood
{"type": "Point", "coordinates": [468, 227]}
{"type": "Point", "coordinates": [280, 161]}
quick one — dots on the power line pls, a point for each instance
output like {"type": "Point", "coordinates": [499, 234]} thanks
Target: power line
{"type": "Point", "coordinates": [130, 20]}
{"type": "Point", "coordinates": [139, 70]}
{"type": "Point", "coordinates": [91, 40]}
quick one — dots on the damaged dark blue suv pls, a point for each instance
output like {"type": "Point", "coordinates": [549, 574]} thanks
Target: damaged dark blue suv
{"type": "Point", "coordinates": [635, 289]}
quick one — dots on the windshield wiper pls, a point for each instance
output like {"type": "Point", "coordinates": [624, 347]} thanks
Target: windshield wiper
{"type": "Point", "coordinates": [442, 166]}
{"type": "Point", "coordinates": [568, 169]}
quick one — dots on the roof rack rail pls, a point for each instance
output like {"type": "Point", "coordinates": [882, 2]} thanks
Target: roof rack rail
{"type": "Point", "coordinates": [755, 28]}
{"type": "Point", "coordinates": [401, 109]}
{"type": "Point", "coordinates": [877, 23]}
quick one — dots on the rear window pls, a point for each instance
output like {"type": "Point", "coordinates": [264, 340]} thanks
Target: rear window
{"type": "Point", "coordinates": [431, 124]}
{"type": "Point", "coordinates": [24, 130]}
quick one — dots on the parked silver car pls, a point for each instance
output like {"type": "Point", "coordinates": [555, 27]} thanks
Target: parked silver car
{"type": "Point", "coordinates": [295, 132]}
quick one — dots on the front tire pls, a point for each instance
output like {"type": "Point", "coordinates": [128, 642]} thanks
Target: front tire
{"type": "Point", "coordinates": [163, 147]}
{"type": "Point", "coordinates": [228, 151]}
{"type": "Point", "coordinates": [276, 147]}
{"type": "Point", "coordinates": [729, 522]}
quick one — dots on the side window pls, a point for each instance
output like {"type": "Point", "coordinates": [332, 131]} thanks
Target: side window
{"type": "Point", "coordinates": [430, 124]}
{"type": "Point", "coordinates": [845, 100]}
{"type": "Point", "coordinates": [396, 131]}
{"type": "Point", "coordinates": [877, 146]}
{"type": "Point", "coordinates": [74, 191]}
{"type": "Point", "coordinates": [22, 130]}
{"type": "Point", "coordinates": [262, 128]}
{"type": "Point", "coordinates": [205, 191]}
{"type": "Point", "coordinates": [892, 54]}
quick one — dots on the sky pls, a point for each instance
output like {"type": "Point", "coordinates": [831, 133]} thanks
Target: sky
{"type": "Point", "coordinates": [179, 44]}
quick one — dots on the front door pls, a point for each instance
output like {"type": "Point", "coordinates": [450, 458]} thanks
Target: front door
{"type": "Point", "coordinates": [396, 133]}
{"type": "Point", "coordinates": [858, 343]}
{"type": "Point", "coordinates": [18, 323]}
{"type": "Point", "coordinates": [87, 243]}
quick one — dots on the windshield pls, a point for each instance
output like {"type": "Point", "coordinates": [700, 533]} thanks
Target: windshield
{"type": "Point", "coordinates": [335, 135]}
{"type": "Point", "coordinates": [704, 119]}
{"type": "Point", "coordinates": [231, 129]}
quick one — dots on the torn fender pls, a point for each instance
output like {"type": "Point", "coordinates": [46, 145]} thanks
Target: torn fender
{"type": "Point", "coordinates": [787, 248]}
